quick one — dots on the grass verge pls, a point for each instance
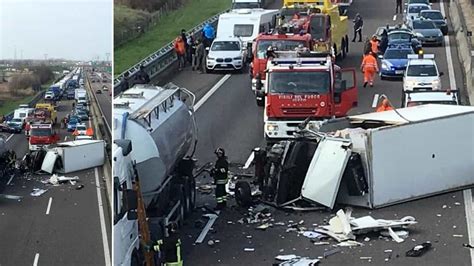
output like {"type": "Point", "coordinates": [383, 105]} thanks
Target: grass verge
{"type": "Point", "coordinates": [11, 105]}
{"type": "Point", "coordinates": [167, 28]}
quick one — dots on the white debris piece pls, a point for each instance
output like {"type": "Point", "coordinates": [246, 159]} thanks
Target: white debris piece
{"type": "Point", "coordinates": [395, 236]}
{"type": "Point", "coordinates": [38, 192]}
{"type": "Point", "coordinates": [400, 233]}
{"type": "Point", "coordinates": [249, 249]}
{"type": "Point", "coordinates": [369, 223]}
{"type": "Point", "coordinates": [286, 257]}
{"type": "Point", "coordinates": [349, 243]}
{"type": "Point", "coordinates": [311, 234]}
{"type": "Point", "coordinates": [56, 180]}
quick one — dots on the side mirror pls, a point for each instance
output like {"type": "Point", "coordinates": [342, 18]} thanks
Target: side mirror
{"type": "Point", "coordinates": [441, 74]}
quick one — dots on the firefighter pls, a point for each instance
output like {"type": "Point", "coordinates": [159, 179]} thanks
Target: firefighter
{"type": "Point", "coordinates": [385, 106]}
{"type": "Point", "coordinates": [219, 172]}
{"type": "Point", "coordinates": [369, 68]}
{"type": "Point", "coordinates": [170, 247]}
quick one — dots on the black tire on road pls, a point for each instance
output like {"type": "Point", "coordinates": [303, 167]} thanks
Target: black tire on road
{"type": "Point", "coordinates": [243, 194]}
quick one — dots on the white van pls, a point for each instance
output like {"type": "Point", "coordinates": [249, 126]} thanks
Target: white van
{"type": "Point", "coordinates": [246, 23]}
{"type": "Point", "coordinates": [22, 113]}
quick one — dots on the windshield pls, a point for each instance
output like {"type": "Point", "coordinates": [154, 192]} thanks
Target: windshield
{"type": "Point", "coordinates": [80, 127]}
{"type": "Point", "coordinates": [423, 24]}
{"type": "Point", "coordinates": [73, 121]}
{"type": "Point", "coordinates": [299, 82]}
{"type": "Point", "coordinates": [421, 70]}
{"type": "Point", "coordinates": [431, 102]}
{"type": "Point", "coordinates": [417, 9]}
{"type": "Point", "coordinates": [427, 2]}
{"type": "Point", "coordinates": [399, 36]}
{"type": "Point", "coordinates": [397, 54]}
{"type": "Point", "coordinates": [287, 13]}
{"type": "Point", "coordinates": [16, 120]}
{"type": "Point", "coordinates": [225, 46]}
{"type": "Point", "coordinates": [432, 15]}
{"type": "Point", "coordinates": [281, 45]}
{"type": "Point", "coordinates": [243, 30]}
{"type": "Point", "coordinates": [41, 132]}
{"type": "Point", "coordinates": [318, 26]}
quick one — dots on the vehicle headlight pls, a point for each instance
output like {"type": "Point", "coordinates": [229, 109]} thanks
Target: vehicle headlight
{"type": "Point", "coordinates": [410, 83]}
{"type": "Point", "coordinates": [385, 65]}
{"type": "Point", "coordinates": [418, 34]}
{"type": "Point", "coordinates": [272, 127]}
{"type": "Point", "coordinates": [440, 34]}
{"type": "Point", "coordinates": [436, 83]}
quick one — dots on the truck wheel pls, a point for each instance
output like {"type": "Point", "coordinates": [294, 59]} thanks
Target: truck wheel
{"type": "Point", "coordinates": [243, 194]}
{"type": "Point", "coordinates": [135, 260]}
{"type": "Point", "coordinates": [260, 102]}
{"type": "Point", "coordinates": [190, 194]}
{"type": "Point", "coordinates": [343, 49]}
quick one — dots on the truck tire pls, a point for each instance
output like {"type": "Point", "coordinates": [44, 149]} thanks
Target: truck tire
{"type": "Point", "coordinates": [135, 259]}
{"type": "Point", "coordinates": [190, 194]}
{"type": "Point", "coordinates": [347, 44]}
{"type": "Point", "coordinates": [260, 102]}
{"type": "Point", "coordinates": [243, 194]}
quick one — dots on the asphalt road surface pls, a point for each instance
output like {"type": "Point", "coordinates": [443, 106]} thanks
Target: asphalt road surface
{"type": "Point", "coordinates": [64, 226]}
{"type": "Point", "coordinates": [104, 98]}
{"type": "Point", "coordinates": [228, 117]}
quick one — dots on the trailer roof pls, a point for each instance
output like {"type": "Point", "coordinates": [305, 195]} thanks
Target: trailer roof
{"type": "Point", "coordinates": [415, 113]}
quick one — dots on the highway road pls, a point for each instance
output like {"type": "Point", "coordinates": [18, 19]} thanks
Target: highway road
{"type": "Point", "coordinates": [64, 226]}
{"type": "Point", "coordinates": [104, 98]}
{"type": "Point", "coordinates": [228, 117]}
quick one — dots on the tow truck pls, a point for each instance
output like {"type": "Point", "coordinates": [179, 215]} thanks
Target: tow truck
{"type": "Point", "coordinates": [279, 40]}
{"type": "Point", "coordinates": [48, 110]}
{"type": "Point", "coordinates": [322, 20]}
{"type": "Point", "coordinates": [305, 88]}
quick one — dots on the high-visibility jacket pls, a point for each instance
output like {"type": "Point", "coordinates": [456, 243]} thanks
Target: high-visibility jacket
{"type": "Point", "coordinates": [384, 107]}
{"type": "Point", "coordinates": [179, 46]}
{"type": "Point", "coordinates": [369, 63]}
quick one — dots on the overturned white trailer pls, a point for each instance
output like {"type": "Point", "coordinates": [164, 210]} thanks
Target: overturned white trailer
{"type": "Point", "coordinates": [405, 154]}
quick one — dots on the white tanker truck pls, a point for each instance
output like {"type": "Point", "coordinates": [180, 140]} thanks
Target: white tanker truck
{"type": "Point", "coordinates": [155, 137]}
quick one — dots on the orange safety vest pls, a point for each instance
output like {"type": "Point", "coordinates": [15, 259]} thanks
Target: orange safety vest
{"type": "Point", "coordinates": [383, 108]}
{"type": "Point", "coordinates": [179, 46]}
{"type": "Point", "coordinates": [369, 63]}
{"type": "Point", "coordinates": [374, 44]}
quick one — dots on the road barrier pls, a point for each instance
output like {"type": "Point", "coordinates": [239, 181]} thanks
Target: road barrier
{"type": "Point", "coordinates": [162, 59]}
{"type": "Point", "coordinates": [465, 48]}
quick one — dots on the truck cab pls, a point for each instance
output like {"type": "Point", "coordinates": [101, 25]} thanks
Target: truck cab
{"type": "Point", "coordinates": [41, 135]}
{"type": "Point", "coordinates": [305, 87]}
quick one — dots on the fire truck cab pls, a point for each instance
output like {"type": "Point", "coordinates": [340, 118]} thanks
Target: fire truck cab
{"type": "Point", "coordinates": [41, 135]}
{"type": "Point", "coordinates": [300, 88]}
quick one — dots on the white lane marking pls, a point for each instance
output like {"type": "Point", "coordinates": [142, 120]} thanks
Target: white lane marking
{"type": "Point", "coordinates": [9, 137]}
{"type": "Point", "coordinates": [49, 205]}
{"type": "Point", "coordinates": [105, 241]}
{"type": "Point", "coordinates": [211, 91]}
{"type": "Point", "coordinates": [249, 160]}
{"type": "Point", "coordinates": [469, 206]}
{"type": "Point", "coordinates": [472, 53]}
{"type": "Point", "coordinates": [394, 17]}
{"type": "Point", "coordinates": [447, 47]}
{"type": "Point", "coordinates": [10, 180]}
{"type": "Point", "coordinates": [375, 100]}
{"type": "Point", "coordinates": [35, 262]}
{"type": "Point", "coordinates": [65, 137]}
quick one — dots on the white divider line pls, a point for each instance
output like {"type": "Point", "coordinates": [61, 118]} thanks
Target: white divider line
{"type": "Point", "coordinates": [49, 205]}
{"type": "Point", "coordinates": [105, 241]}
{"type": "Point", "coordinates": [35, 262]}
{"type": "Point", "coordinates": [375, 101]}
{"type": "Point", "coordinates": [211, 92]}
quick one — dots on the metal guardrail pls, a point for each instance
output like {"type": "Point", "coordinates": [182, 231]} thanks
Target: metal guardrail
{"type": "Point", "coordinates": [101, 112]}
{"type": "Point", "coordinates": [162, 59]}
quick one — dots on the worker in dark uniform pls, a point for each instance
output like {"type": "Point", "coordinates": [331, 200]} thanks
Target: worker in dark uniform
{"type": "Point", "coordinates": [399, 6]}
{"type": "Point", "coordinates": [169, 249]}
{"type": "Point", "coordinates": [142, 77]}
{"type": "Point", "coordinates": [219, 172]}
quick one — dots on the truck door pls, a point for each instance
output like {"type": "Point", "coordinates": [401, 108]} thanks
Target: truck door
{"type": "Point", "coordinates": [345, 91]}
{"type": "Point", "coordinates": [325, 171]}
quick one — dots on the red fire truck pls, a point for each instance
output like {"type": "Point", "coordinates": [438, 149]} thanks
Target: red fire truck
{"type": "Point", "coordinates": [41, 135]}
{"type": "Point", "coordinates": [279, 42]}
{"type": "Point", "coordinates": [297, 88]}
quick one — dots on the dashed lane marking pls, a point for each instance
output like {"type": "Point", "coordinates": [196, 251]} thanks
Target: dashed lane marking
{"type": "Point", "coordinates": [49, 205]}
{"type": "Point", "coordinates": [375, 101]}
{"type": "Point", "coordinates": [105, 241]}
{"type": "Point", "coordinates": [211, 92]}
{"type": "Point", "coordinates": [35, 262]}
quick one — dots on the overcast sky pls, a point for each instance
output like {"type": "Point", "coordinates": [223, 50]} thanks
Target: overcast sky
{"type": "Point", "coordinates": [69, 29]}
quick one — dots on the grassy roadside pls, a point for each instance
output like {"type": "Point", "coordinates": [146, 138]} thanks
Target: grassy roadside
{"type": "Point", "coordinates": [168, 27]}
{"type": "Point", "coordinates": [9, 106]}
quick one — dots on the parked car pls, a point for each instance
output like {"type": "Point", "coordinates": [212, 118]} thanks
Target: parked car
{"type": "Point", "coordinates": [73, 121]}
{"type": "Point", "coordinates": [427, 32]}
{"type": "Point", "coordinates": [82, 114]}
{"type": "Point", "coordinates": [438, 18]}
{"type": "Point", "coordinates": [4, 127]}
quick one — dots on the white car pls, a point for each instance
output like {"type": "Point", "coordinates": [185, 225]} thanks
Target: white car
{"type": "Point", "coordinates": [226, 54]}
{"type": "Point", "coordinates": [49, 95]}
{"type": "Point", "coordinates": [414, 98]}
{"type": "Point", "coordinates": [421, 73]}
{"type": "Point", "coordinates": [81, 129]}
{"type": "Point", "coordinates": [413, 11]}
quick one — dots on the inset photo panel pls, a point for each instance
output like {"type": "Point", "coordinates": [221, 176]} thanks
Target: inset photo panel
{"type": "Point", "coordinates": [55, 132]}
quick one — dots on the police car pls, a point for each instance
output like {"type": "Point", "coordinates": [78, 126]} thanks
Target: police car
{"type": "Point", "coordinates": [414, 98]}
{"type": "Point", "coordinates": [421, 73]}
{"type": "Point", "coordinates": [394, 61]}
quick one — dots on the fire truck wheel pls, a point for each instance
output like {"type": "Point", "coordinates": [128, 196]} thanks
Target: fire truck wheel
{"type": "Point", "coordinates": [347, 44]}
{"type": "Point", "coordinates": [243, 194]}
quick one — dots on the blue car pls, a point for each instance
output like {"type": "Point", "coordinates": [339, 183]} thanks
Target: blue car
{"type": "Point", "coordinates": [71, 125]}
{"type": "Point", "coordinates": [394, 61]}
{"type": "Point", "coordinates": [404, 37]}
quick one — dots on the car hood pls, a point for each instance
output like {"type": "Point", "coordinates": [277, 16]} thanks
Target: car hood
{"type": "Point", "coordinates": [224, 54]}
{"type": "Point", "coordinates": [428, 32]}
{"type": "Point", "coordinates": [396, 62]}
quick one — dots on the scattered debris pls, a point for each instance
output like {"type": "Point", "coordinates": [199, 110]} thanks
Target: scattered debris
{"type": "Point", "coordinates": [263, 227]}
{"type": "Point", "coordinates": [56, 180]}
{"type": "Point", "coordinates": [331, 252]}
{"type": "Point", "coordinates": [286, 257]}
{"type": "Point", "coordinates": [366, 258]}
{"type": "Point", "coordinates": [79, 187]}
{"type": "Point", "coordinates": [350, 243]}
{"type": "Point", "coordinates": [311, 234]}
{"type": "Point", "coordinates": [467, 245]}
{"type": "Point", "coordinates": [419, 250]}
{"type": "Point", "coordinates": [388, 251]}
{"type": "Point", "coordinates": [212, 218]}
{"type": "Point", "coordinates": [205, 189]}
{"type": "Point", "coordinates": [321, 243]}
{"type": "Point", "coordinates": [38, 192]}
{"type": "Point", "coordinates": [458, 235]}
{"type": "Point", "coordinates": [367, 239]}
{"type": "Point", "coordinates": [11, 197]}
{"type": "Point", "coordinates": [210, 243]}
{"type": "Point", "coordinates": [439, 215]}
{"type": "Point", "coordinates": [394, 236]}
{"type": "Point", "coordinates": [457, 203]}
{"type": "Point", "coordinates": [400, 233]}
{"type": "Point", "coordinates": [300, 262]}
{"type": "Point", "coordinates": [367, 223]}
{"type": "Point", "coordinates": [249, 249]}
